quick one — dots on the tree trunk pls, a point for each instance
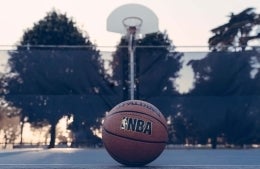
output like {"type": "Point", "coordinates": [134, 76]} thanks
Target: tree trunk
{"type": "Point", "coordinates": [53, 135]}
{"type": "Point", "coordinates": [213, 142]}
{"type": "Point", "coordinates": [21, 133]}
{"type": "Point", "coordinates": [5, 137]}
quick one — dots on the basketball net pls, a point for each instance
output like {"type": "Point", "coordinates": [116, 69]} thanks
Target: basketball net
{"type": "Point", "coordinates": [132, 26]}
{"type": "Point", "coordinates": [131, 30]}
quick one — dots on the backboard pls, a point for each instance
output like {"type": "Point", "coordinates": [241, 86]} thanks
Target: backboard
{"type": "Point", "coordinates": [132, 15]}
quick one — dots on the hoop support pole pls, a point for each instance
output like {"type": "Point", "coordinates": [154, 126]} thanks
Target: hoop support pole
{"type": "Point", "coordinates": [131, 66]}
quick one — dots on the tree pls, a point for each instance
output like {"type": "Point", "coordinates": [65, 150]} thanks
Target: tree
{"type": "Point", "coordinates": [237, 32]}
{"type": "Point", "coordinates": [234, 75]}
{"type": "Point", "coordinates": [224, 85]}
{"type": "Point", "coordinates": [55, 29]}
{"type": "Point", "coordinates": [49, 83]}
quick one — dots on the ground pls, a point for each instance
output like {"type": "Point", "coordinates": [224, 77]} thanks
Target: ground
{"type": "Point", "coordinates": [67, 158]}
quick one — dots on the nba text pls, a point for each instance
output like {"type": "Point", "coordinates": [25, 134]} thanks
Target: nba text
{"type": "Point", "coordinates": [136, 125]}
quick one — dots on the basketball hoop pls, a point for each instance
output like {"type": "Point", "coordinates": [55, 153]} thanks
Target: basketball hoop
{"type": "Point", "coordinates": [132, 25]}
{"type": "Point", "coordinates": [128, 20]}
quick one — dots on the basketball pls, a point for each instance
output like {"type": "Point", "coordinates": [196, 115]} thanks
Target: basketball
{"type": "Point", "coordinates": [134, 133]}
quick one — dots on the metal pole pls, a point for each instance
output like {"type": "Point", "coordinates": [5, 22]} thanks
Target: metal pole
{"type": "Point", "coordinates": [131, 66]}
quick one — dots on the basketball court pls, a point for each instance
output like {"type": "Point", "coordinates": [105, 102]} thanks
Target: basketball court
{"type": "Point", "coordinates": [99, 159]}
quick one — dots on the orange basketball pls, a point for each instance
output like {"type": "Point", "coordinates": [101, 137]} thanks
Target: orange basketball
{"type": "Point", "coordinates": [134, 133]}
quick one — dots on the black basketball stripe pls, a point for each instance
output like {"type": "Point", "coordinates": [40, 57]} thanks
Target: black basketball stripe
{"type": "Point", "coordinates": [129, 138]}
{"type": "Point", "coordinates": [131, 111]}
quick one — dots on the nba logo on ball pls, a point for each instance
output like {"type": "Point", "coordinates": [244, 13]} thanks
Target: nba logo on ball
{"type": "Point", "coordinates": [136, 125]}
{"type": "Point", "coordinates": [134, 133]}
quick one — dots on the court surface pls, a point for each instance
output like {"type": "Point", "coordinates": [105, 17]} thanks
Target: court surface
{"type": "Point", "coordinates": [67, 158]}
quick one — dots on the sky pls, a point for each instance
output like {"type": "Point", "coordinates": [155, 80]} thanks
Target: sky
{"type": "Point", "coordinates": [187, 22]}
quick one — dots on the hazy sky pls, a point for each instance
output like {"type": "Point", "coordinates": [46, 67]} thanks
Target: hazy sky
{"type": "Point", "coordinates": [188, 22]}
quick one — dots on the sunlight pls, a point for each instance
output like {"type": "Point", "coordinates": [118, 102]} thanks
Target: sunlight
{"type": "Point", "coordinates": [41, 136]}
{"type": "Point", "coordinates": [3, 63]}
{"type": "Point", "coordinates": [64, 136]}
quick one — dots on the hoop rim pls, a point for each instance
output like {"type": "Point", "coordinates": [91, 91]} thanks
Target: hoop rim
{"type": "Point", "coordinates": [132, 21]}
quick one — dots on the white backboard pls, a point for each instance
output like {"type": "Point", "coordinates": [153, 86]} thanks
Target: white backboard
{"type": "Point", "coordinates": [148, 17]}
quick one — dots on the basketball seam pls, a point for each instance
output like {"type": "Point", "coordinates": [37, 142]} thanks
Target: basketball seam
{"type": "Point", "coordinates": [145, 141]}
{"type": "Point", "coordinates": [131, 111]}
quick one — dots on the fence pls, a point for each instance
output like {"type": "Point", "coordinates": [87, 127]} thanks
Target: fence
{"type": "Point", "coordinates": [207, 97]}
